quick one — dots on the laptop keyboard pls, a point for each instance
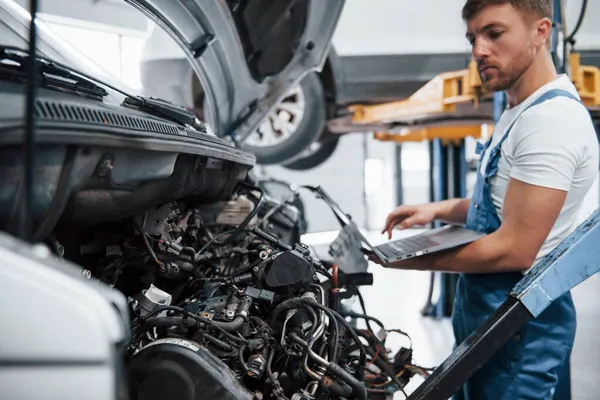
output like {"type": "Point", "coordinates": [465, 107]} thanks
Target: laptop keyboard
{"type": "Point", "coordinates": [407, 245]}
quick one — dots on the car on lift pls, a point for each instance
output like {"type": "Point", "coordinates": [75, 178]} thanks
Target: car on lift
{"type": "Point", "coordinates": [256, 65]}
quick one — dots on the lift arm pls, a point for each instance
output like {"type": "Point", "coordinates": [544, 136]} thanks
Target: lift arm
{"type": "Point", "coordinates": [441, 95]}
{"type": "Point", "coordinates": [457, 95]}
{"type": "Point", "coordinates": [573, 261]}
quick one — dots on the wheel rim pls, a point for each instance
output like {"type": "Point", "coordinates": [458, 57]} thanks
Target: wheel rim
{"type": "Point", "coordinates": [282, 122]}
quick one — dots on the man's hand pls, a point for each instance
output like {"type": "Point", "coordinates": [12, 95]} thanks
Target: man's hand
{"type": "Point", "coordinates": [409, 216]}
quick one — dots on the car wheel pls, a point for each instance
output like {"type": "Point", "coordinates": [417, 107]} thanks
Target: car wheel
{"type": "Point", "coordinates": [317, 154]}
{"type": "Point", "coordinates": [293, 124]}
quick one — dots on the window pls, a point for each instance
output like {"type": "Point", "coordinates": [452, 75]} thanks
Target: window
{"type": "Point", "coordinates": [116, 52]}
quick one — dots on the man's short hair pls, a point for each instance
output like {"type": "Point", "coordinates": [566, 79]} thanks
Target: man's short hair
{"type": "Point", "coordinates": [535, 8]}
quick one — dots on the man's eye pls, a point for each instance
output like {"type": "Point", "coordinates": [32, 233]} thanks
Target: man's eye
{"type": "Point", "coordinates": [495, 34]}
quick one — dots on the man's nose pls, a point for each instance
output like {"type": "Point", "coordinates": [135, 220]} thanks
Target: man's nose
{"type": "Point", "coordinates": [480, 50]}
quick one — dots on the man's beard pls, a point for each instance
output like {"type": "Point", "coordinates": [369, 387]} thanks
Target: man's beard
{"type": "Point", "coordinates": [506, 78]}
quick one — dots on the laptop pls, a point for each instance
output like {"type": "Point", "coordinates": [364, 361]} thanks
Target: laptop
{"type": "Point", "coordinates": [430, 241]}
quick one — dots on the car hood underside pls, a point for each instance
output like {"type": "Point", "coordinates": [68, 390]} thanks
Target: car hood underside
{"type": "Point", "coordinates": [247, 54]}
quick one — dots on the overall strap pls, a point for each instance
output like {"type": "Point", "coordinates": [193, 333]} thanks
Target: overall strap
{"type": "Point", "coordinates": [492, 166]}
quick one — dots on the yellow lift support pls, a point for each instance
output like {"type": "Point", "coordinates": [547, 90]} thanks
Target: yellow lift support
{"type": "Point", "coordinates": [454, 94]}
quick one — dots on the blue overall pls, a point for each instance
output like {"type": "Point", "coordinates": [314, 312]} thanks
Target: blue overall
{"type": "Point", "coordinates": [527, 366]}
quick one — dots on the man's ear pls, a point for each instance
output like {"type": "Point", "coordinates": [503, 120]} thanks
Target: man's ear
{"type": "Point", "coordinates": [543, 30]}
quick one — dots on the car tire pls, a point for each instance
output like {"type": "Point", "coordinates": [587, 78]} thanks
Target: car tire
{"type": "Point", "coordinates": [307, 130]}
{"type": "Point", "coordinates": [322, 153]}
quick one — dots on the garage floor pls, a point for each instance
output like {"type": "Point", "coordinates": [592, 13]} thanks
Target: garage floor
{"type": "Point", "coordinates": [397, 297]}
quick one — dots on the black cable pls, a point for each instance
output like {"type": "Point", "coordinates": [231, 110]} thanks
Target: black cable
{"type": "Point", "coordinates": [364, 310]}
{"type": "Point", "coordinates": [571, 38]}
{"type": "Point", "coordinates": [259, 203]}
{"type": "Point", "coordinates": [211, 241]}
{"type": "Point", "coordinates": [362, 316]}
{"type": "Point", "coordinates": [25, 228]}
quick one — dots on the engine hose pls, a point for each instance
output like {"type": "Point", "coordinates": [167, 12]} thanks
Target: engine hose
{"type": "Point", "coordinates": [357, 387]}
{"type": "Point", "coordinates": [192, 316]}
{"type": "Point", "coordinates": [230, 326]}
{"type": "Point", "coordinates": [262, 323]}
{"type": "Point", "coordinates": [342, 390]}
{"type": "Point", "coordinates": [278, 391]}
{"type": "Point", "coordinates": [218, 343]}
{"type": "Point", "coordinates": [361, 347]}
{"type": "Point", "coordinates": [169, 321]}
{"type": "Point", "coordinates": [359, 390]}
{"type": "Point", "coordinates": [297, 302]}
{"type": "Point", "coordinates": [239, 320]}
{"type": "Point", "coordinates": [241, 357]}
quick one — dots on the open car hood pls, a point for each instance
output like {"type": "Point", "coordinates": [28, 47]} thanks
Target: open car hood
{"type": "Point", "coordinates": [247, 54]}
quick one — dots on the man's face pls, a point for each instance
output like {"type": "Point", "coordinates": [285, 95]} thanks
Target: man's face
{"type": "Point", "coordinates": [503, 45]}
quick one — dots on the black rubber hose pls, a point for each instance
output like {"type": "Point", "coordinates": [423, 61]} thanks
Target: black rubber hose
{"type": "Point", "coordinates": [230, 326]}
{"type": "Point", "coordinates": [218, 342]}
{"type": "Point", "coordinates": [358, 388]}
{"type": "Point", "coordinates": [238, 321]}
{"type": "Point", "coordinates": [241, 357]}
{"type": "Point", "coordinates": [169, 321]}
{"type": "Point", "coordinates": [341, 390]}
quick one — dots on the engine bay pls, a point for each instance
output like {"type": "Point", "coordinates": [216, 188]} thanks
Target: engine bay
{"type": "Point", "coordinates": [226, 302]}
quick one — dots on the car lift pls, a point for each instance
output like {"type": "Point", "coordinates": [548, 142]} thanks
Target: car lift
{"type": "Point", "coordinates": [447, 110]}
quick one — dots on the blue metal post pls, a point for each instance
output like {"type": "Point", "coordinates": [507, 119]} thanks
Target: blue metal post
{"type": "Point", "coordinates": [438, 182]}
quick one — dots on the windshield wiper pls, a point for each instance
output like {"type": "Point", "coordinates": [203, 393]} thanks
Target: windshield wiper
{"type": "Point", "coordinates": [13, 64]}
{"type": "Point", "coordinates": [164, 109]}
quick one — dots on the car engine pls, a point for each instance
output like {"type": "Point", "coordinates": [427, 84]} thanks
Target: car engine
{"type": "Point", "coordinates": [226, 303]}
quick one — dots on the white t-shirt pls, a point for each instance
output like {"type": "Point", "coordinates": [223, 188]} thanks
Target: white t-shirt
{"type": "Point", "coordinates": [554, 145]}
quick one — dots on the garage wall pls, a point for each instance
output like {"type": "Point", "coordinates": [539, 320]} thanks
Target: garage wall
{"type": "Point", "coordinates": [388, 27]}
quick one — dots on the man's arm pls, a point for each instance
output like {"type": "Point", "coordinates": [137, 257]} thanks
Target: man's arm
{"type": "Point", "coordinates": [453, 211]}
{"type": "Point", "coordinates": [529, 212]}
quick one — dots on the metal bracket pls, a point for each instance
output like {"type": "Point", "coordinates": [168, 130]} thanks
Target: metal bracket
{"type": "Point", "coordinates": [574, 260]}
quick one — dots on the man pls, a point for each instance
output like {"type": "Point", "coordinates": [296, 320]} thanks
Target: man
{"type": "Point", "coordinates": [534, 173]}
